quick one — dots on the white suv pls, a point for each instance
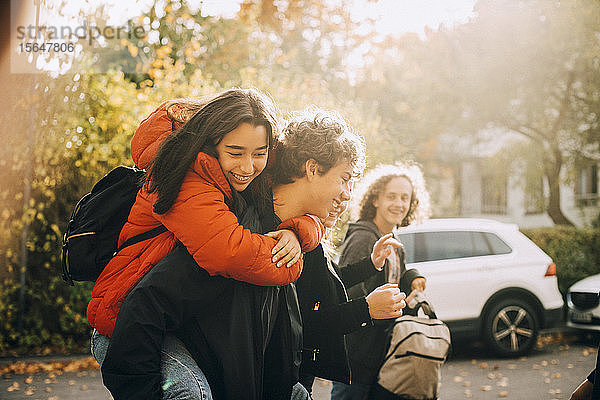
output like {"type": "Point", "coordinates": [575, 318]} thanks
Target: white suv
{"type": "Point", "coordinates": [485, 278]}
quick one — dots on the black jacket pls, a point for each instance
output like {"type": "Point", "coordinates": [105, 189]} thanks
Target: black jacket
{"type": "Point", "coordinates": [245, 338]}
{"type": "Point", "coordinates": [367, 347]}
{"type": "Point", "coordinates": [327, 315]}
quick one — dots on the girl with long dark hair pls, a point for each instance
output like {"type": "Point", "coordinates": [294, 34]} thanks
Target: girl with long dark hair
{"type": "Point", "coordinates": [194, 181]}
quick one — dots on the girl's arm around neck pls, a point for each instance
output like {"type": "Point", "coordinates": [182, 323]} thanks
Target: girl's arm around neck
{"type": "Point", "coordinates": [220, 245]}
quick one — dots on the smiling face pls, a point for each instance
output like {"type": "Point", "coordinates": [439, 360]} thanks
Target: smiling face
{"type": "Point", "coordinates": [242, 154]}
{"type": "Point", "coordinates": [329, 190]}
{"type": "Point", "coordinates": [392, 204]}
{"type": "Point", "coordinates": [332, 217]}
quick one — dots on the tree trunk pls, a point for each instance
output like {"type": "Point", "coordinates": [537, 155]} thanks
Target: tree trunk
{"type": "Point", "coordinates": [552, 167]}
{"type": "Point", "coordinates": [28, 177]}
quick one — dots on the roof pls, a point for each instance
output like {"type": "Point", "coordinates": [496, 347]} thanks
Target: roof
{"type": "Point", "coordinates": [459, 224]}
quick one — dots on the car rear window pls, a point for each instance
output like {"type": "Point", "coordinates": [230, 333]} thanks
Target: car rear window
{"type": "Point", "coordinates": [497, 245]}
{"type": "Point", "coordinates": [432, 246]}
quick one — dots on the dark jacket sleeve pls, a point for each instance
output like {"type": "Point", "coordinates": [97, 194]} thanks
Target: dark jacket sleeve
{"type": "Point", "coordinates": [356, 247]}
{"type": "Point", "coordinates": [339, 319]}
{"type": "Point", "coordinates": [407, 279]}
{"type": "Point", "coordinates": [355, 273]}
{"type": "Point", "coordinates": [349, 316]}
{"type": "Point", "coordinates": [322, 298]}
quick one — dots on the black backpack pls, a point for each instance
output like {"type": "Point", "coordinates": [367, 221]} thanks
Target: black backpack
{"type": "Point", "coordinates": [90, 240]}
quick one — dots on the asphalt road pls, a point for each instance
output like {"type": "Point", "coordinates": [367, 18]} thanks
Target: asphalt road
{"type": "Point", "coordinates": [551, 371]}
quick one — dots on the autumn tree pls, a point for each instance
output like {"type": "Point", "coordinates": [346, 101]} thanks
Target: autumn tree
{"type": "Point", "coordinates": [531, 68]}
{"type": "Point", "coordinates": [528, 68]}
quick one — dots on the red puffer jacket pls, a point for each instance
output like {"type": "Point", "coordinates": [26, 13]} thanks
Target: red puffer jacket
{"type": "Point", "coordinates": [200, 218]}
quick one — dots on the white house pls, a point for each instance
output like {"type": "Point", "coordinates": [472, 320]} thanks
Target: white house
{"type": "Point", "coordinates": [509, 200]}
{"type": "Point", "coordinates": [482, 188]}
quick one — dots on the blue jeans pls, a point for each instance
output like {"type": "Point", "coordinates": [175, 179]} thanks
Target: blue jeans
{"type": "Point", "coordinates": [355, 391]}
{"type": "Point", "coordinates": [182, 379]}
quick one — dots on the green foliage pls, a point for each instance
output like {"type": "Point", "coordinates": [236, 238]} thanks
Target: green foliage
{"type": "Point", "coordinates": [576, 252]}
{"type": "Point", "coordinates": [596, 222]}
{"type": "Point", "coordinates": [54, 318]}
{"type": "Point", "coordinates": [82, 129]}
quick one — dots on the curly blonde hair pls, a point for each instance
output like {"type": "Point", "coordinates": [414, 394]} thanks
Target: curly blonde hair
{"type": "Point", "coordinates": [374, 183]}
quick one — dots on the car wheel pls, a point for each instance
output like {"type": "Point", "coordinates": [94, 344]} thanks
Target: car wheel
{"type": "Point", "coordinates": [511, 327]}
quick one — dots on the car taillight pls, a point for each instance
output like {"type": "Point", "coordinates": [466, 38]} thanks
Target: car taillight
{"type": "Point", "coordinates": [551, 270]}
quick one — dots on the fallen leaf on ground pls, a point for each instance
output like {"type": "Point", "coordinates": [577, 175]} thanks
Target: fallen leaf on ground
{"type": "Point", "coordinates": [56, 368]}
{"type": "Point", "coordinates": [13, 387]}
{"type": "Point", "coordinates": [502, 382]}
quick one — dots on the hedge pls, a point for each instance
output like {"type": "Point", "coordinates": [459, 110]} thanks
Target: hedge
{"type": "Point", "coordinates": [53, 321]}
{"type": "Point", "coordinates": [575, 251]}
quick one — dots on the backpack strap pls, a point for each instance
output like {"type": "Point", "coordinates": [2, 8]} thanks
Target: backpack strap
{"type": "Point", "coordinates": [141, 237]}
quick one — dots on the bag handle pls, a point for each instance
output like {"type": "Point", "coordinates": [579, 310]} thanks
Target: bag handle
{"type": "Point", "coordinates": [427, 309]}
